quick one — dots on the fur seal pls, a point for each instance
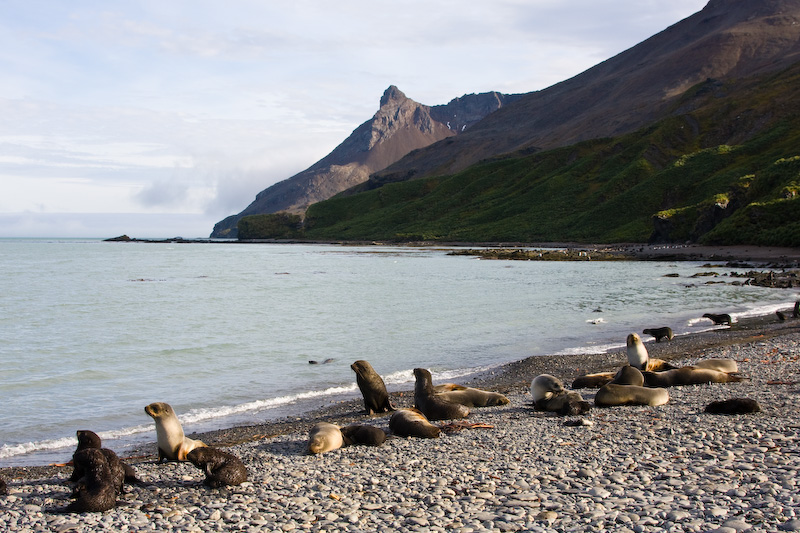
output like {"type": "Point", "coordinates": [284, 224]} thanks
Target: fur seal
{"type": "Point", "coordinates": [90, 439]}
{"type": "Point", "coordinates": [372, 387]}
{"type": "Point", "coordinates": [412, 423]}
{"type": "Point", "coordinates": [660, 333]}
{"type": "Point", "coordinates": [221, 468]}
{"type": "Point", "coordinates": [100, 484]}
{"type": "Point", "coordinates": [173, 445]}
{"type": "Point", "coordinates": [688, 375]}
{"type": "Point", "coordinates": [638, 357]}
{"type": "Point", "coordinates": [324, 437]}
{"type": "Point", "coordinates": [325, 362]}
{"type": "Point", "coordinates": [469, 396]}
{"type": "Point", "coordinates": [719, 319]}
{"type": "Point", "coordinates": [3, 487]}
{"type": "Point", "coordinates": [592, 381]}
{"type": "Point", "coordinates": [548, 394]}
{"type": "Point", "coordinates": [734, 406]}
{"type": "Point", "coordinates": [723, 365]}
{"type": "Point", "coordinates": [627, 389]}
{"type": "Point", "coordinates": [431, 405]}
{"type": "Point", "coordinates": [363, 434]}
{"type": "Point", "coordinates": [796, 310]}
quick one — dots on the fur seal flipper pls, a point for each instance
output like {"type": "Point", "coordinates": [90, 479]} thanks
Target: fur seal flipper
{"type": "Point", "coordinates": [324, 437]}
{"type": "Point", "coordinates": [173, 445]}
{"type": "Point", "coordinates": [430, 404]}
{"type": "Point", "coordinates": [221, 468]}
{"type": "Point", "coordinates": [734, 406]}
{"type": "Point", "coordinates": [363, 434]}
{"type": "Point", "coordinates": [372, 387]}
{"type": "Point", "coordinates": [412, 423]}
{"type": "Point", "coordinates": [548, 394]}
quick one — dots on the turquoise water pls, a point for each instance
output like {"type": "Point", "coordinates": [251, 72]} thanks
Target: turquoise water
{"type": "Point", "coordinates": [91, 332]}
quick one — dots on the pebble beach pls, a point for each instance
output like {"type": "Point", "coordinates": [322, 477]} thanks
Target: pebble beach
{"type": "Point", "coordinates": [666, 468]}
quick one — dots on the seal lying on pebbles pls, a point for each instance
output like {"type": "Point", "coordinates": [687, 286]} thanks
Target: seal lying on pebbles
{"type": "Point", "coordinates": [431, 404]}
{"type": "Point", "coordinates": [468, 396]}
{"type": "Point", "coordinates": [363, 434]}
{"type": "Point", "coordinates": [90, 439]}
{"type": "Point", "coordinates": [626, 389]}
{"type": "Point", "coordinates": [660, 333]}
{"type": "Point", "coordinates": [723, 365]}
{"type": "Point", "coordinates": [592, 381]}
{"type": "Point", "coordinates": [372, 387]}
{"type": "Point", "coordinates": [99, 485]}
{"type": "Point", "coordinates": [688, 375]}
{"type": "Point", "coordinates": [221, 468]}
{"type": "Point", "coordinates": [324, 437]}
{"type": "Point", "coordinates": [548, 394]}
{"type": "Point", "coordinates": [412, 423]}
{"type": "Point", "coordinates": [173, 445]}
{"type": "Point", "coordinates": [719, 319]}
{"type": "Point", "coordinates": [638, 357]}
{"type": "Point", "coordinates": [734, 406]}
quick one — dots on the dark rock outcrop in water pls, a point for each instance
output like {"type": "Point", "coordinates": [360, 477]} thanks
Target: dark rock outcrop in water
{"type": "Point", "coordinates": [400, 126]}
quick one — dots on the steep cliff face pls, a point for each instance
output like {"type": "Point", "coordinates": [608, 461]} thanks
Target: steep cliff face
{"type": "Point", "coordinates": [400, 126]}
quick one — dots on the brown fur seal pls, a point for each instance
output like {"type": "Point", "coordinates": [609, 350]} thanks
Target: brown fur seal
{"type": "Point", "coordinates": [363, 434]}
{"type": "Point", "coordinates": [221, 468]}
{"type": "Point", "coordinates": [638, 357]}
{"type": "Point", "coordinates": [734, 406]}
{"type": "Point", "coordinates": [324, 437]}
{"type": "Point", "coordinates": [173, 445]}
{"type": "Point", "coordinates": [3, 487]}
{"type": "Point", "coordinates": [548, 394]}
{"type": "Point", "coordinates": [719, 319]}
{"type": "Point", "coordinates": [90, 439]}
{"type": "Point", "coordinates": [723, 365]}
{"type": "Point", "coordinates": [431, 405]}
{"type": "Point", "coordinates": [412, 423]}
{"type": "Point", "coordinates": [626, 389]}
{"type": "Point", "coordinates": [100, 483]}
{"type": "Point", "coordinates": [372, 387]}
{"type": "Point", "coordinates": [660, 333]}
{"type": "Point", "coordinates": [469, 396]}
{"type": "Point", "coordinates": [688, 375]}
{"type": "Point", "coordinates": [592, 381]}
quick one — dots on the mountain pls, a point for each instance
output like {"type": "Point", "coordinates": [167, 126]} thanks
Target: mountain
{"type": "Point", "coordinates": [400, 126]}
{"type": "Point", "coordinates": [725, 40]}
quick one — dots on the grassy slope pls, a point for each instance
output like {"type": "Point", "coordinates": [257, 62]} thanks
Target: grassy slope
{"type": "Point", "coordinates": [720, 146]}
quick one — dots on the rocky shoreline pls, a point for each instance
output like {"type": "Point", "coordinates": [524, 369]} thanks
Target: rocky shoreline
{"type": "Point", "coordinates": [671, 467]}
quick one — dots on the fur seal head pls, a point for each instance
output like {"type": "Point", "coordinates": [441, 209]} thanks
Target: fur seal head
{"type": "Point", "coordinates": [173, 445]}
{"type": "Point", "coordinates": [324, 437]}
{"type": "Point", "coordinates": [433, 407]}
{"type": "Point", "coordinates": [545, 386]}
{"type": "Point", "coordinates": [372, 387]}
{"type": "Point", "coordinates": [637, 353]}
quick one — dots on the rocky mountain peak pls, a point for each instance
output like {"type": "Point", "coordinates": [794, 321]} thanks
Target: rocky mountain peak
{"type": "Point", "coordinates": [392, 95]}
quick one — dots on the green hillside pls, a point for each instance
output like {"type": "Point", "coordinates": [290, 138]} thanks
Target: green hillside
{"type": "Point", "coordinates": [723, 168]}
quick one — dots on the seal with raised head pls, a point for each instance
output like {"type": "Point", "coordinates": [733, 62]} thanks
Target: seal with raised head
{"type": "Point", "coordinates": [638, 357]}
{"type": "Point", "coordinates": [324, 437]}
{"type": "Point", "coordinates": [412, 423]}
{"type": "Point", "coordinates": [372, 387]}
{"type": "Point", "coordinates": [99, 485]}
{"type": "Point", "coordinates": [548, 394]}
{"type": "Point", "coordinates": [221, 468]}
{"type": "Point", "coordinates": [173, 445]}
{"type": "Point", "coordinates": [90, 439]}
{"type": "Point", "coordinates": [660, 333]}
{"type": "Point", "coordinates": [363, 434]}
{"type": "Point", "coordinates": [469, 396]}
{"type": "Point", "coordinates": [688, 375]}
{"type": "Point", "coordinates": [627, 389]}
{"type": "Point", "coordinates": [431, 405]}
{"type": "Point", "coordinates": [720, 319]}
{"type": "Point", "coordinates": [734, 406]}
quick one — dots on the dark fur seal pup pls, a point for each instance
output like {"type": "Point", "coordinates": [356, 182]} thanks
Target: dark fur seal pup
{"type": "Point", "coordinates": [626, 389]}
{"type": "Point", "coordinates": [469, 396]}
{"type": "Point", "coordinates": [660, 333]}
{"type": "Point", "coordinates": [173, 445]}
{"type": "Point", "coordinates": [719, 319]}
{"type": "Point", "coordinates": [3, 487]}
{"type": "Point", "coordinates": [324, 437]}
{"type": "Point", "coordinates": [548, 394]}
{"type": "Point", "coordinates": [688, 375]}
{"type": "Point", "coordinates": [734, 406]}
{"type": "Point", "coordinates": [221, 468]}
{"type": "Point", "coordinates": [372, 387]}
{"type": "Point", "coordinates": [781, 316]}
{"type": "Point", "coordinates": [90, 439]}
{"type": "Point", "coordinates": [412, 423]}
{"type": "Point", "coordinates": [431, 405]}
{"type": "Point", "coordinates": [363, 434]}
{"type": "Point", "coordinates": [99, 486]}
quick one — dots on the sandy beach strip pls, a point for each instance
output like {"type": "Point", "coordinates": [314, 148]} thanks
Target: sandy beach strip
{"type": "Point", "coordinates": [666, 468]}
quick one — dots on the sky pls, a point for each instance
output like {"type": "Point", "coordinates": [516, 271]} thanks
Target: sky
{"type": "Point", "coordinates": [157, 118]}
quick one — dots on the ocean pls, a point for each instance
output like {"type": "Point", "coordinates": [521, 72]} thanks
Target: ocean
{"type": "Point", "coordinates": [92, 331]}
